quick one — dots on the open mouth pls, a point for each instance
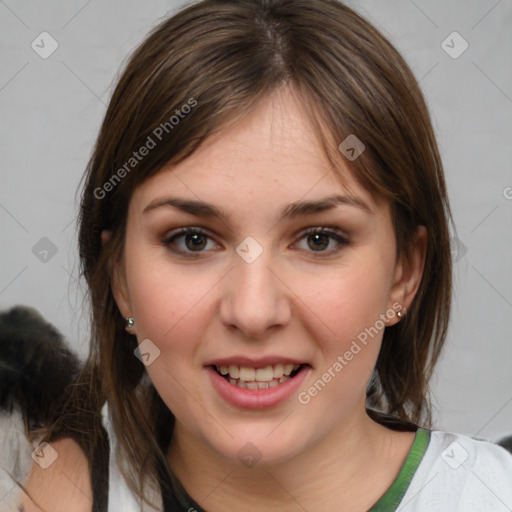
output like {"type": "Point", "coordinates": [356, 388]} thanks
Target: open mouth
{"type": "Point", "coordinates": [258, 378]}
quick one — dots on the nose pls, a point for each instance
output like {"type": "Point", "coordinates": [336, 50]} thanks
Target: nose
{"type": "Point", "coordinates": [255, 298]}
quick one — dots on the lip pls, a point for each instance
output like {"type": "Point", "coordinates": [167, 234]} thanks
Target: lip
{"type": "Point", "coordinates": [256, 398]}
{"type": "Point", "coordinates": [260, 362]}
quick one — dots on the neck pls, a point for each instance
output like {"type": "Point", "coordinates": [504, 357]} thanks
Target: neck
{"type": "Point", "coordinates": [349, 469]}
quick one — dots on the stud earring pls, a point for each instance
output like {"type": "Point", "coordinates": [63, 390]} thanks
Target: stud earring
{"type": "Point", "coordinates": [399, 314]}
{"type": "Point", "coordinates": [130, 322]}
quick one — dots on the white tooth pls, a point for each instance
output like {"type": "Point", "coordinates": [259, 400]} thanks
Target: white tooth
{"type": "Point", "coordinates": [278, 371]}
{"type": "Point", "coordinates": [234, 371]}
{"type": "Point", "coordinates": [241, 384]}
{"type": "Point", "coordinates": [252, 385]}
{"type": "Point", "coordinates": [262, 385]}
{"type": "Point", "coordinates": [296, 367]}
{"type": "Point", "coordinates": [273, 383]}
{"type": "Point", "coordinates": [283, 379]}
{"type": "Point", "coordinates": [264, 374]}
{"type": "Point", "coordinates": [288, 368]}
{"type": "Point", "coordinates": [247, 374]}
{"type": "Point", "coordinates": [223, 370]}
{"type": "Point", "coordinates": [232, 381]}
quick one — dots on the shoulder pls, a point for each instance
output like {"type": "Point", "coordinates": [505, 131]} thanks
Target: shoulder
{"type": "Point", "coordinates": [458, 450]}
{"type": "Point", "coordinates": [458, 472]}
{"type": "Point", "coordinates": [59, 479]}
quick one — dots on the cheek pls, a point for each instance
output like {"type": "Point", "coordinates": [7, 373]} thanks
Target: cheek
{"type": "Point", "coordinates": [170, 309]}
{"type": "Point", "coordinates": [346, 304]}
{"type": "Point", "coordinates": [348, 330]}
{"type": "Point", "coordinates": [166, 302]}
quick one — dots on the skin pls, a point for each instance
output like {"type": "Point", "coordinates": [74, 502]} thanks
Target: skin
{"type": "Point", "coordinates": [294, 300]}
{"type": "Point", "coordinates": [64, 486]}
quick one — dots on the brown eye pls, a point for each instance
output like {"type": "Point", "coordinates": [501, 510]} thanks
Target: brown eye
{"type": "Point", "coordinates": [318, 239]}
{"type": "Point", "coordinates": [195, 241]}
{"type": "Point", "coordinates": [188, 241]}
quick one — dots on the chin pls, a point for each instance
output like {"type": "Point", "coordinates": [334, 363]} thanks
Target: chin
{"type": "Point", "coordinates": [253, 446]}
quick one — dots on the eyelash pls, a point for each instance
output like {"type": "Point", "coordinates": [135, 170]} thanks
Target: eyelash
{"type": "Point", "coordinates": [333, 233]}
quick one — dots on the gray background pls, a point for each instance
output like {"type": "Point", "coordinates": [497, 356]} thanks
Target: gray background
{"type": "Point", "coordinates": [51, 110]}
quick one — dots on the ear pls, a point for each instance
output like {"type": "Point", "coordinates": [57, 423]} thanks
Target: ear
{"type": "Point", "coordinates": [118, 280]}
{"type": "Point", "coordinates": [408, 273]}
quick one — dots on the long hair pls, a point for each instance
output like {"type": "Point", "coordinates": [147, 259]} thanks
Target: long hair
{"type": "Point", "coordinates": [198, 72]}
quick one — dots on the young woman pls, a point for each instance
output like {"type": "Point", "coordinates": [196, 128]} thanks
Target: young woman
{"type": "Point", "coordinates": [264, 231]}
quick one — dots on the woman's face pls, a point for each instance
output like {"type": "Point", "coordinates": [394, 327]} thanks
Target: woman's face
{"type": "Point", "coordinates": [257, 290]}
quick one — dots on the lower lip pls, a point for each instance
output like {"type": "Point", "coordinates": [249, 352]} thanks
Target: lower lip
{"type": "Point", "coordinates": [257, 398]}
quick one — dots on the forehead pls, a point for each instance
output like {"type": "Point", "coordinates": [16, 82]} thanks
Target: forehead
{"type": "Point", "coordinates": [272, 155]}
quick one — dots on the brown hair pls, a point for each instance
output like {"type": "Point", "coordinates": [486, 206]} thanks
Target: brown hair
{"type": "Point", "coordinates": [226, 56]}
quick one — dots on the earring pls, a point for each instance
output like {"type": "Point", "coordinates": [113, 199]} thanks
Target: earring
{"type": "Point", "coordinates": [399, 314]}
{"type": "Point", "coordinates": [130, 322]}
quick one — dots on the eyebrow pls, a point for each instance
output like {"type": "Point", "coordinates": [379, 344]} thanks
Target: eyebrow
{"type": "Point", "coordinates": [292, 211]}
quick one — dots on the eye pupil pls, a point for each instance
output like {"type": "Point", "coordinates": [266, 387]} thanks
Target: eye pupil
{"type": "Point", "coordinates": [319, 237]}
{"type": "Point", "coordinates": [195, 237]}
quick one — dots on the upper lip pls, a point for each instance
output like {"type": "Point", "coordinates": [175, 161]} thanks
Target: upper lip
{"type": "Point", "coordinates": [257, 362]}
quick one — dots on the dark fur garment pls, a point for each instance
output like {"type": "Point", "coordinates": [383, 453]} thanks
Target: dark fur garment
{"type": "Point", "coordinates": [37, 373]}
{"type": "Point", "coordinates": [36, 366]}
{"type": "Point", "coordinates": [506, 442]}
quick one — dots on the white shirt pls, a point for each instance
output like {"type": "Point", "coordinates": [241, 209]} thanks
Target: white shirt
{"type": "Point", "coordinates": [460, 474]}
{"type": "Point", "coordinates": [456, 474]}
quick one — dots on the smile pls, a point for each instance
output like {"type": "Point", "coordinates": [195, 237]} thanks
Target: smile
{"type": "Point", "coordinates": [260, 384]}
{"type": "Point", "coordinates": [247, 377]}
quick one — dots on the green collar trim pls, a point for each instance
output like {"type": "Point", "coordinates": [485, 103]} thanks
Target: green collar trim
{"type": "Point", "coordinates": [394, 495]}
